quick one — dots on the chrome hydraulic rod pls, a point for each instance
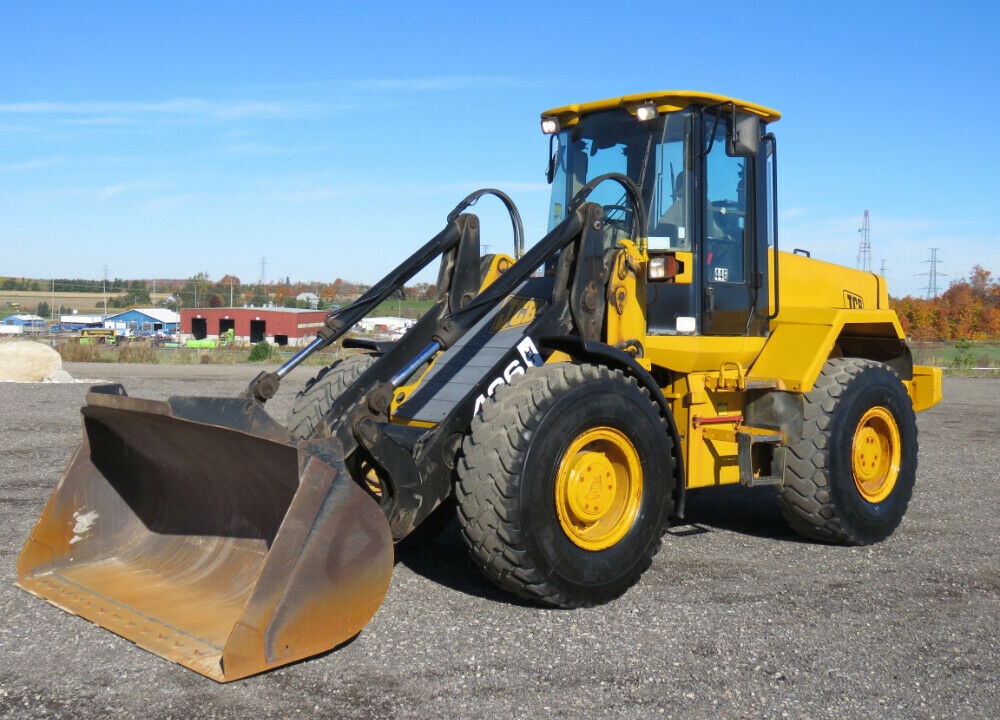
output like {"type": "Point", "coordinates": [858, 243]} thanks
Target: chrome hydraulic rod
{"type": "Point", "coordinates": [318, 343]}
{"type": "Point", "coordinates": [411, 367]}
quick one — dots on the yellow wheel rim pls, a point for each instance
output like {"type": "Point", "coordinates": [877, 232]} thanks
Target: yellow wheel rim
{"type": "Point", "coordinates": [598, 488]}
{"type": "Point", "coordinates": [875, 454]}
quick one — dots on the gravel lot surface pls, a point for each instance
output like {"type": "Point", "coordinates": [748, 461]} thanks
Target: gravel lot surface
{"type": "Point", "coordinates": [737, 618]}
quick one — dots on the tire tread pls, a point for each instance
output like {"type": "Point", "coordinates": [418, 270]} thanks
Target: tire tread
{"type": "Point", "coordinates": [804, 498]}
{"type": "Point", "coordinates": [493, 455]}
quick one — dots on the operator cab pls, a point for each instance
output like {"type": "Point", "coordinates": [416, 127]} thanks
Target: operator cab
{"type": "Point", "coordinates": [705, 169]}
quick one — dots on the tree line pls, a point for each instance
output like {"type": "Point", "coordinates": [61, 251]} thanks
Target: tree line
{"type": "Point", "coordinates": [74, 285]}
{"type": "Point", "coordinates": [201, 291]}
{"type": "Point", "coordinates": [968, 310]}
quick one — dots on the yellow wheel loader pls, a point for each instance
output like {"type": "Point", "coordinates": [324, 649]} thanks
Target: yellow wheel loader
{"type": "Point", "coordinates": [564, 399]}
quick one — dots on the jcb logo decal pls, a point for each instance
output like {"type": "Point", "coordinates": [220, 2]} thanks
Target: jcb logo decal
{"type": "Point", "coordinates": [852, 301]}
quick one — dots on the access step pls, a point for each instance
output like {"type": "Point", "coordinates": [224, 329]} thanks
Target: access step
{"type": "Point", "coordinates": [746, 439]}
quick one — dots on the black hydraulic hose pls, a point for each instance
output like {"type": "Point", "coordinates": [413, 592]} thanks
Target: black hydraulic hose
{"type": "Point", "coordinates": [634, 196]}
{"type": "Point", "coordinates": [441, 243]}
{"type": "Point", "coordinates": [515, 216]}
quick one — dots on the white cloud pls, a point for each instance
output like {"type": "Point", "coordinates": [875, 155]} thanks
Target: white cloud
{"type": "Point", "coordinates": [112, 190]}
{"type": "Point", "coordinates": [112, 111]}
{"type": "Point", "coordinates": [434, 84]}
{"type": "Point", "coordinates": [35, 164]}
{"type": "Point", "coordinates": [793, 213]}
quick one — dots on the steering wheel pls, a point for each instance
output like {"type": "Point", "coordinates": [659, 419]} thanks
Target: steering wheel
{"type": "Point", "coordinates": [618, 217]}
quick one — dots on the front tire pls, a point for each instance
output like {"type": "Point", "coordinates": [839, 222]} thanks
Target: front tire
{"type": "Point", "coordinates": [565, 485]}
{"type": "Point", "coordinates": [306, 418]}
{"type": "Point", "coordinates": [849, 478]}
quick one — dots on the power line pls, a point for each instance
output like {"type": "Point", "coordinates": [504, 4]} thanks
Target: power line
{"type": "Point", "coordinates": [932, 275]}
{"type": "Point", "coordinates": [865, 247]}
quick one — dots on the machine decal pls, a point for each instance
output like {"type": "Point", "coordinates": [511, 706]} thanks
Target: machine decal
{"type": "Point", "coordinates": [529, 357]}
{"type": "Point", "coordinates": [853, 301]}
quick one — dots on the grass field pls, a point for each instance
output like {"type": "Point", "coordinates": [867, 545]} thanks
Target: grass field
{"type": "Point", "coordinates": [83, 302]}
{"type": "Point", "coordinates": [958, 357]}
{"type": "Point", "coordinates": [403, 308]}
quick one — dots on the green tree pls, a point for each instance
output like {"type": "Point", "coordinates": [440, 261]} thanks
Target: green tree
{"type": "Point", "coordinates": [259, 298]}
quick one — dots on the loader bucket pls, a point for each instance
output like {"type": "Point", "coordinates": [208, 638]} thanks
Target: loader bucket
{"type": "Point", "coordinates": [197, 529]}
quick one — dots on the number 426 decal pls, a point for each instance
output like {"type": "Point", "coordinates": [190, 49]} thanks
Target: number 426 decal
{"type": "Point", "coordinates": [528, 356]}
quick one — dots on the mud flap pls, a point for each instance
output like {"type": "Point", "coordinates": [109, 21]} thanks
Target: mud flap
{"type": "Point", "coordinates": [198, 530]}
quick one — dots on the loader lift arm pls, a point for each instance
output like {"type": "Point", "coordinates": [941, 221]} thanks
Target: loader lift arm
{"type": "Point", "coordinates": [416, 466]}
{"type": "Point", "coordinates": [461, 233]}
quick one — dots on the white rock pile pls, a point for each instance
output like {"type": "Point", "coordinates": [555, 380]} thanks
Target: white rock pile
{"type": "Point", "coordinates": [29, 361]}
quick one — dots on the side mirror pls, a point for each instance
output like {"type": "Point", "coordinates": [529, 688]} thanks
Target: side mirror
{"type": "Point", "coordinates": [550, 171]}
{"type": "Point", "coordinates": [744, 137]}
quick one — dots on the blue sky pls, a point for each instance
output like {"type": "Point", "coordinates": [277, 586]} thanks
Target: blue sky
{"type": "Point", "coordinates": [331, 139]}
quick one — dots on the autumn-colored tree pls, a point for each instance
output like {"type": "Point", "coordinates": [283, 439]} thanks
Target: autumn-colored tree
{"type": "Point", "coordinates": [283, 293]}
{"type": "Point", "coordinates": [967, 310]}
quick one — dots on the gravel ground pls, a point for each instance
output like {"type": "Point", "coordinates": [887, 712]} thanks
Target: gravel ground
{"type": "Point", "coordinates": [737, 618]}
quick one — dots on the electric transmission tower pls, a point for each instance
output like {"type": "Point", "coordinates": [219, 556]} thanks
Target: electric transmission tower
{"type": "Point", "coordinates": [865, 247]}
{"type": "Point", "coordinates": [932, 275]}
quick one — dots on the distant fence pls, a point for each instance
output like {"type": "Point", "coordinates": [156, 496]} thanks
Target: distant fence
{"type": "Point", "coordinates": [961, 369]}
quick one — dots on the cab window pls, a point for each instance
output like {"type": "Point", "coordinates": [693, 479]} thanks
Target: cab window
{"type": "Point", "coordinates": [725, 205]}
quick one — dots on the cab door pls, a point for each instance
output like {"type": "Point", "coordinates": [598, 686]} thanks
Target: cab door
{"type": "Point", "coordinates": [728, 293]}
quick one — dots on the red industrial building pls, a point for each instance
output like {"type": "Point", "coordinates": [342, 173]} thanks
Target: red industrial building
{"type": "Point", "coordinates": [281, 326]}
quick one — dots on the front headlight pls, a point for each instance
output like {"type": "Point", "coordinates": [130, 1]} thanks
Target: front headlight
{"type": "Point", "coordinates": [646, 112]}
{"type": "Point", "coordinates": [550, 125]}
{"type": "Point", "coordinates": [657, 268]}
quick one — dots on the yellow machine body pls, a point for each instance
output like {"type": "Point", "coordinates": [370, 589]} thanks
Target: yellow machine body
{"type": "Point", "coordinates": [206, 532]}
{"type": "Point", "coordinates": [822, 305]}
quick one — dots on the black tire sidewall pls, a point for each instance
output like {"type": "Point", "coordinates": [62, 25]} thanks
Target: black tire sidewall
{"type": "Point", "coordinates": [595, 575]}
{"type": "Point", "coordinates": [315, 400]}
{"type": "Point", "coordinates": [866, 521]}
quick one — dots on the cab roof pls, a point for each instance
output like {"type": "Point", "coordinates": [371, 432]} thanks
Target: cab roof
{"type": "Point", "coordinates": [666, 101]}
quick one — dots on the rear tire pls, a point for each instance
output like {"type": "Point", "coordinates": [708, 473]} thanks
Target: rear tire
{"type": "Point", "coordinates": [565, 485]}
{"type": "Point", "coordinates": [306, 418]}
{"type": "Point", "coordinates": [849, 478]}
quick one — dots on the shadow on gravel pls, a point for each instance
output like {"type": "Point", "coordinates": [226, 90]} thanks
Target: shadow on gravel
{"type": "Point", "coordinates": [748, 511]}
{"type": "Point", "coordinates": [445, 561]}
{"type": "Point", "coordinates": [443, 558]}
